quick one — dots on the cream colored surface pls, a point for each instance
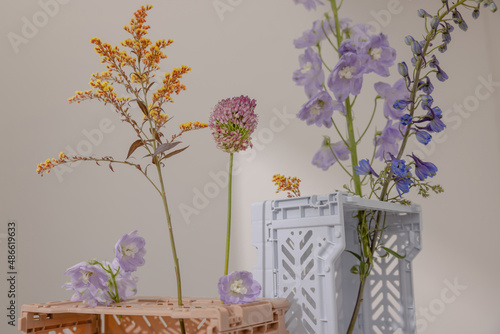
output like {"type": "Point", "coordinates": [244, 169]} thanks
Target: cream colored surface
{"type": "Point", "coordinates": [246, 49]}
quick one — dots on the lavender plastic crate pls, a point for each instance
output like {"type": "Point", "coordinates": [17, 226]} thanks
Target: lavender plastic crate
{"type": "Point", "coordinates": [301, 242]}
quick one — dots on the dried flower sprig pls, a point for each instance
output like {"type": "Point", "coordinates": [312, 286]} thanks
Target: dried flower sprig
{"type": "Point", "coordinates": [289, 184]}
{"type": "Point", "coordinates": [134, 69]}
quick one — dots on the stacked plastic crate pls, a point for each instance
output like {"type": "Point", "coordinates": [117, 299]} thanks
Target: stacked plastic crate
{"type": "Point", "coordinates": [301, 245]}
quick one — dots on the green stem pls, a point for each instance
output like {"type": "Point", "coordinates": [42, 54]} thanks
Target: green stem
{"type": "Point", "coordinates": [228, 229]}
{"type": "Point", "coordinates": [172, 243]}
{"type": "Point", "coordinates": [352, 147]}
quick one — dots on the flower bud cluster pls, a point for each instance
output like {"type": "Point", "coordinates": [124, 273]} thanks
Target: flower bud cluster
{"type": "Point", "coordinates": [232, 123]}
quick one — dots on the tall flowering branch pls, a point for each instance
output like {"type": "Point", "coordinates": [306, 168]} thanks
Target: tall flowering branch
{"type": "Point", "coordinates": [134, 69]}
{"type": "Point", "coordinates": [232, 123]}
{"type": "Point", "coordinates": [409, 109]}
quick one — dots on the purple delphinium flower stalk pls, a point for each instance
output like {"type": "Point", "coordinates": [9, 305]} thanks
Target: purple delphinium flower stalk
{"type": "Point", "coordinates": [364, 168]}
{"type": "Point", "coordinates": [382, 56]}
{"type": "Point", "coordinates": [239, 287]}
{"type": "Point", "coordinates": [392, 94]}
{"type": "Point", "coordinates": [387, 142]}
{"type": "Point", "coordinates": [319, 110]}
{"type": "Point", "coordinates": [324, 157]}
{"type": "Point", "coordinates": [130, 251]}
{"type": "Point", "coordinates": [233, 122]}
{"type": "Point", "coordinates": [89, 283]}
{"type": "Point", "coordinates": [347, 76]}
{"type": "Point", "coordinates": [423, 170]}
{"type": "Point", "coordinates": [311, 74]}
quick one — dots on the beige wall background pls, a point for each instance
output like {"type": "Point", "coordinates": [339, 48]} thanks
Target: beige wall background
{"type": "Point", "coordinates": [244, 48]}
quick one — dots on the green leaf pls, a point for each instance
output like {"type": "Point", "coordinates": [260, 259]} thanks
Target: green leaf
{"type": "Point", "coordinates": [390, 251]}
{"type": "Point", "coordinates": [355, 270]}
{"type": "Point", "coordinates": [356, 255]}
{"type": "Point", "coordinates": [135, 145]}
{"type": "Point", "coordinates": [165, 147]}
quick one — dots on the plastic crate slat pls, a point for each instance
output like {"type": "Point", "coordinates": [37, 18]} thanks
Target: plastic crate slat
{"type": "Point", "coordinates": [316, 268]}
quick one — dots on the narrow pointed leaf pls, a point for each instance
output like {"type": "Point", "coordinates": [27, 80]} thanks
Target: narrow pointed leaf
{"type": "Point", "coordinates": [356, 255]}
{"type": "Point", "coordinates": [174, 153]}
{"type": "Point", "coordinates": [111, 167]}
{"type": "Point", "coordinates": [143, 107]}
{"type": "Point", "coordinates": [165, 147]}
{"type": "Point", "coordinates": [135, 145]}
{"type": "Point", "coordinates": [390, 251]}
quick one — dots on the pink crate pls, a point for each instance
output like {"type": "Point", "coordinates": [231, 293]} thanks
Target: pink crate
{"type": "Point", "coordinates": [155, 315]}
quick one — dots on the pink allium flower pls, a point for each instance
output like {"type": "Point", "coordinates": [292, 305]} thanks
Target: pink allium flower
{"type": "Point", "coordinates": [233, 122]}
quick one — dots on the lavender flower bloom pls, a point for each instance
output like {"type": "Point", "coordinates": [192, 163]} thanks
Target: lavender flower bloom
{"type": "Point", "coordinates": [325, 158]}
{"type": "Point", "coordinates": [426, 86]}
{"type": "Point", "coordinates": [347, 46]}
{"type": "Point", "coordinates": [239, 287]}
{"type": "Point", "coordinates": [392, 94]}
{"type": "Point", "coordinates": [423, 169]}
{"type": "Point", "coordinates": [427, 101]}
{"type": "Point", "coordinates": [440, 75]}
{"type": "Point", "coordinates": [398, 166]}
{"type": "Point", "coordinates": [130, 251]}
{"type": "Point", "coordinates": [435, 123]}
{"type": "Point", "coordinates": [311, 38]}
{"type": "Point", "coordinates": [359, 33]}
{"type": "Point", "coordinates": [403, 184]}
{"type": "Point", "coordinates": [401, 104]}
{"type": "Point", "coordinates": [387, 142]}
{"type": "Point", "coordinates": [382, 56]}
{"type": "Point", "coordinates": [364, 168]}
{"type": "Point", "coordinates": [232, 122]}
{"type": "Point", "coordinates": [126, 282]}
{"type": "Point", "coordinates": [89, 282]}
{"type": "Point", "coordinates": [319, 110]}
{"type": "Point", "coordinates": [309, 4]}
{"type": "Point", "coordinates": [311, 74]}
{"type": "Point", "coordinates": [347, 76]}
{"type": "Point", "coordinates": [406, 119]}
{"type": "Point", "coordinates": [423, 137]}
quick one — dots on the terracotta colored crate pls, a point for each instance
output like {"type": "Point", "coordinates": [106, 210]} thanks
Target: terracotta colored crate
{"type": "Point", "coordinates": [157, 316]}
